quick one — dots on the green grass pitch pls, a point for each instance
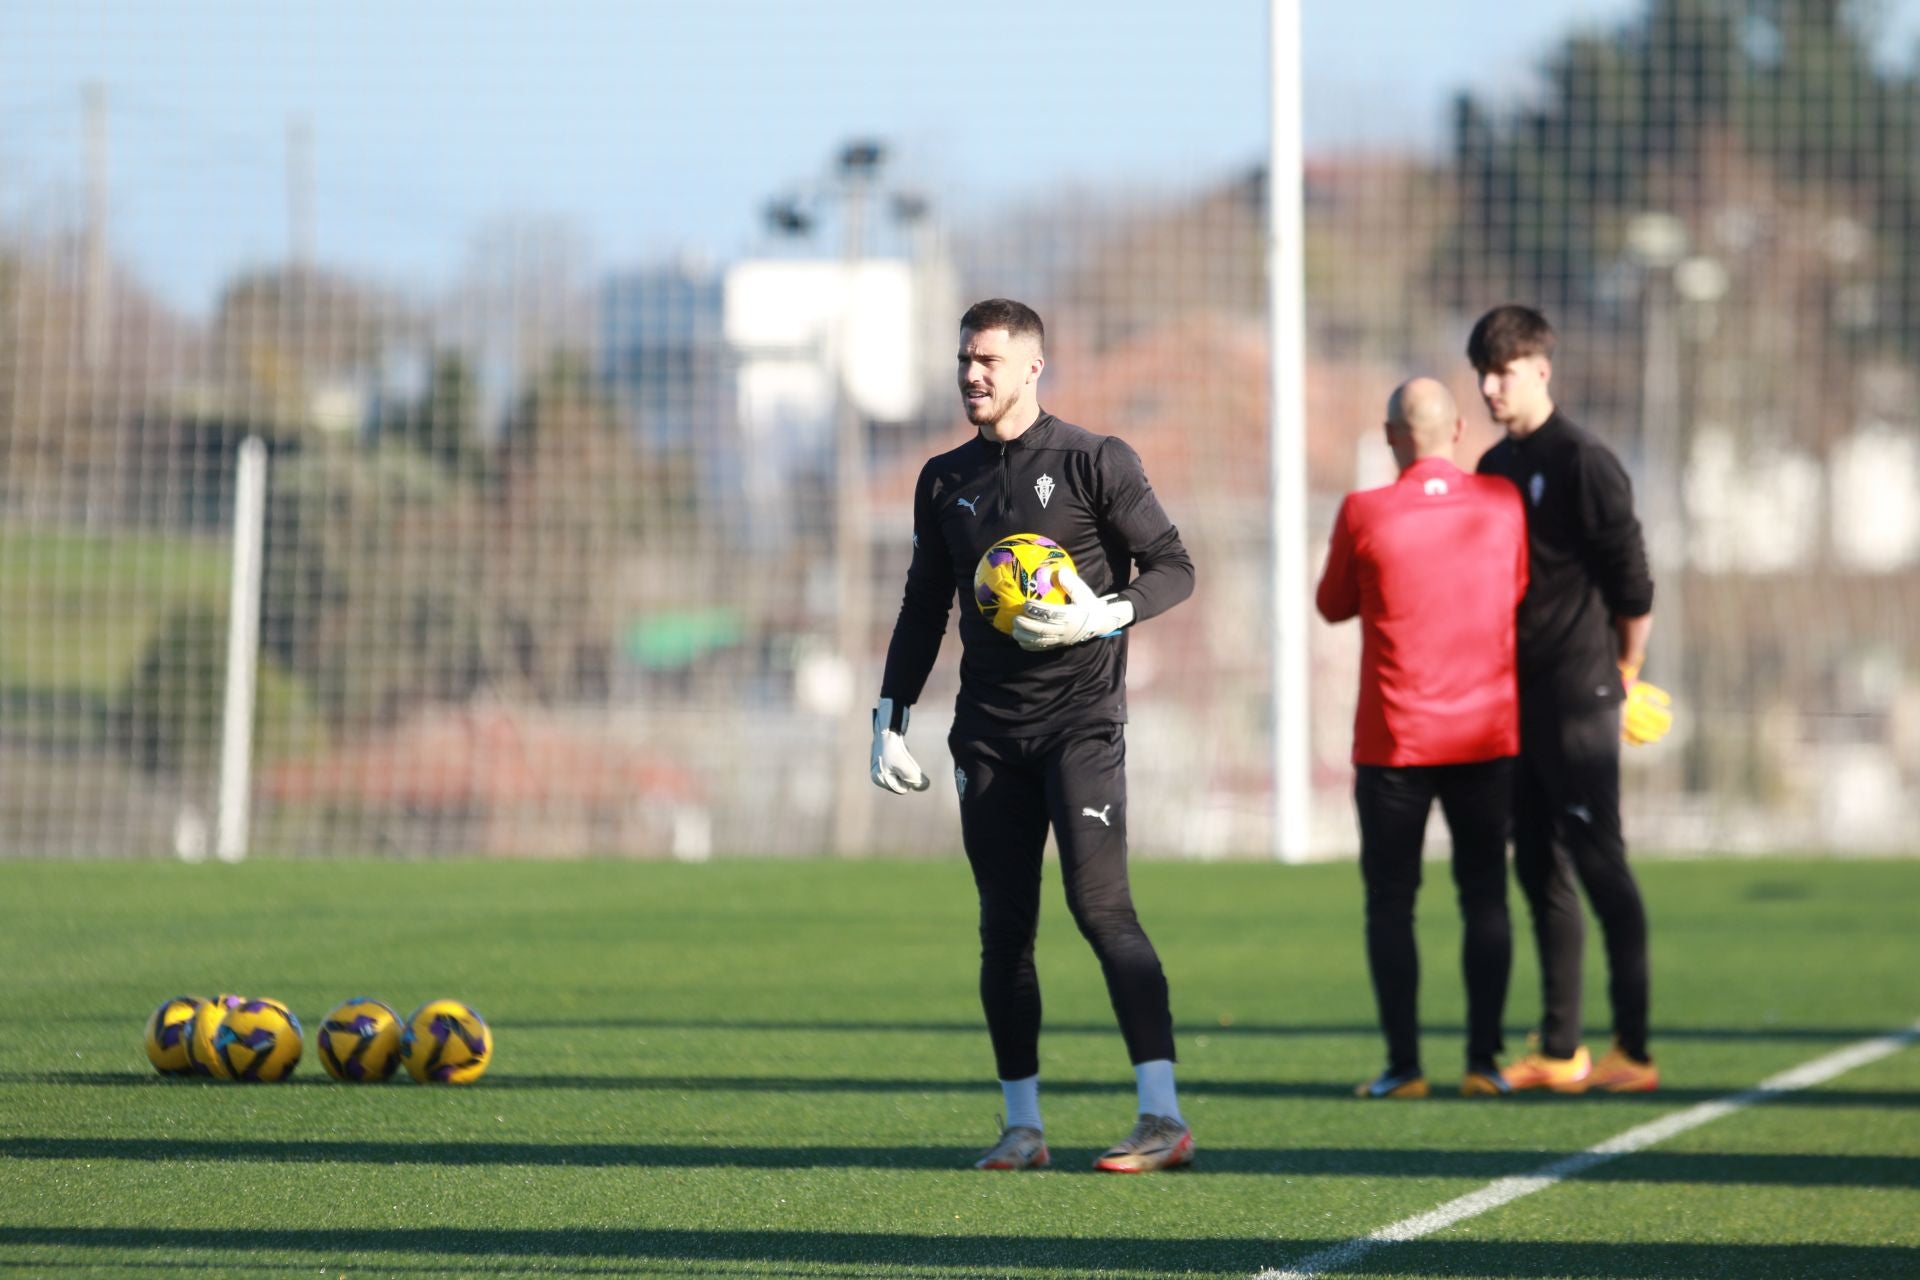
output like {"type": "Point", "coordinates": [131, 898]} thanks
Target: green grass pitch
{"type": "Point", "coordinates": [778, 1069]}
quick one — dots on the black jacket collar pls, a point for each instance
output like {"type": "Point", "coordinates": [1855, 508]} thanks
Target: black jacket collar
{"type": "Point", "coordinates": [1033, 437]}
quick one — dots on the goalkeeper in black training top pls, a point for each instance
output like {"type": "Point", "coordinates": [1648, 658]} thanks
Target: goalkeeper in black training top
{"type": "Point", "coordinates": [1038, 730]}
{"type": "Point", "coordinates": [1582, 638]}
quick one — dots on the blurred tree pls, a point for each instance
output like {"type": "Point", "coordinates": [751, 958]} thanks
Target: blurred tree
{"type": "Point", "coordinates": [1134, 275]}
{"type": "Point", "coordinates": [168, 716]}
{"type": "Point", "coordinates": [577, 501]}
{"type": "Point", "coordinates": [67, 418]}
{"type": "Point", "coordinates": [373, 582]}
{"type": "Point", "coordinates": [524, 291]}
{"type": "Point", "coordinates": [444, 423]}
{"type": "Point", "coordinates": [1651, 117]}
{"type": "Point", "coordinates": [393, 580]}
{"type": "Point", "coordinates": [285, 340]}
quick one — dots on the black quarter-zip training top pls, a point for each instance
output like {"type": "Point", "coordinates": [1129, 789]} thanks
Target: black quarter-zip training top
{"type": "Point", "coordinates": [1587, 562]}
{"type": "Point", "coordinates": [1088, 493]}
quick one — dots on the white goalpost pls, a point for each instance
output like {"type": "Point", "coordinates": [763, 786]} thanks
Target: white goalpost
{"type": "Point", "coordinates": [1287, 441]}
{"type": "Point", "coordinates": [243, 649]}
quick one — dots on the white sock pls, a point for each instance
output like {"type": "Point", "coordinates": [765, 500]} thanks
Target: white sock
{"type": "Point", "coordinates": [1022, 1101]}
{"type": "Point", "coordinates": [1155, 1080]}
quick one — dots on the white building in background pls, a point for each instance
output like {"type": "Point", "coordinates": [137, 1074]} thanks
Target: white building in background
{"type": "Point", "coordinates": [797, 326]}
{"type": "Point", "coordinates": [1748, 510]}
{"type": "Point", "coordinates": [1874, 487]}
{"type": "Point", "coordinates": [802, 329]}
{"type": "Point", "coordinates": [1766, 510]}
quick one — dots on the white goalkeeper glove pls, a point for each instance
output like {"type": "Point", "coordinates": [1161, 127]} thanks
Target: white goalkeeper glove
{"type": "Point", "coordinates": [1085, 616]}
{"type": "Point", "coordinates": [893, 765]}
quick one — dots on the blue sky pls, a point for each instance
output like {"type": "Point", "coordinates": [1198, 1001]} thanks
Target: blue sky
{"type": "Point", "coordinates": [654, 128]}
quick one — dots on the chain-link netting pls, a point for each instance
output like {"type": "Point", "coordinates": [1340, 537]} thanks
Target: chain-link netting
{"type": "Point", "coordinates": [597, 553]}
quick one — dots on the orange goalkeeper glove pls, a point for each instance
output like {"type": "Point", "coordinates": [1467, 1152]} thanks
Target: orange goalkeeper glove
{"type": "Point", "coordinates": [1648, 713]}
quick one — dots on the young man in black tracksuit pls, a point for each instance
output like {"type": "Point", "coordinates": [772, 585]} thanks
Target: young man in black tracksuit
{"type": "Point", "coordinates": [1582, 638]}
{"type": "Point", "coordinates": [1038, 739]}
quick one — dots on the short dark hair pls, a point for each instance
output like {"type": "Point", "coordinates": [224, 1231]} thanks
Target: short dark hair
{"type": "Point", "coordinates": [1506, 334]}
{"type": "Point", "coordinates": [1017, 318]}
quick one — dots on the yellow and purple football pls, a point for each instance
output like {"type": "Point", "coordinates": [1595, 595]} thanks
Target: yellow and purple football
{"type": "Point", "coordinates": [259, 1040]}
{"type": "Point", "coordinates": [360, 1041]}
{"type": "Point", "coordinates": [203, 1057]}
{"type": "Point", "coordinates": [1014, 570]}
{"type": "Point", "coordinates": [167, 1032]}
{"type": "Point", "coordinates": [446, 1042]}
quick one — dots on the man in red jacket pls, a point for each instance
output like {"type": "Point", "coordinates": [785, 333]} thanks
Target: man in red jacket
{"type": "Point", "coordinates": [1434, 565]}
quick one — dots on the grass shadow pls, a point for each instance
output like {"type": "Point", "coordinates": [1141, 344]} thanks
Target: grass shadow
{"type": "Point", "coordinates": [1300, 1030]}
{"type": "Point", "coordinates": [1749, 1169]}
{"type": "Point", "coordinates": [1192, 1085]}
{"type": "Point", "coordinates": [771, 1252]}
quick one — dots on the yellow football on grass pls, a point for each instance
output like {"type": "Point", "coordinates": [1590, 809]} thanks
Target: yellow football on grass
{"type": "Point", "coordinates": [360, 1041]}
{"type": "Point", "coordinates": [167, 1030]}
{"type": "Point", "coordinates": [203, 1057]}
{"type": "Point", "coordinates": [259, 1040]}
{"type": "Point", "coordinates": [446, 1042]}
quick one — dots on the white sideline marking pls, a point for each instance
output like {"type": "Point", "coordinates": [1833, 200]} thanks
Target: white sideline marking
{"type": "Point", "coordinates": [1506, 1190]}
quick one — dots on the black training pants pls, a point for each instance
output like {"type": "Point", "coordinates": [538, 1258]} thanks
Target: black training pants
{"type": "Point", "coordinates": [1393, 803]}
{"type": "Point", "coordinates": [1566, 829]}
{"type": "Point", "coordinates": [1011, 791]}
